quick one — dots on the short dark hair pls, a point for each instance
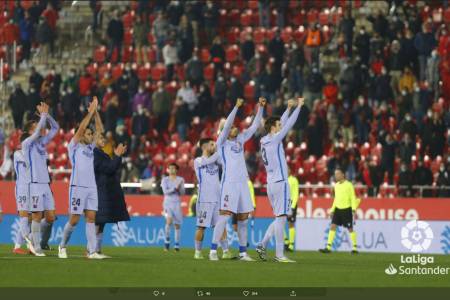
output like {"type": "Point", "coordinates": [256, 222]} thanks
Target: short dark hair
{"type": "Point", "coordinates": [204, 141]}
{"type": "Point", "coordinates": [24, 136]}
{"type": "Point", "coordinates": [28, 125]}
{"type": "Point", "coordinates": [175, 165]}
{"type": "Point", "coordinates": [340, 169]}
{"type": "Point", "coordinates": [270, 122]}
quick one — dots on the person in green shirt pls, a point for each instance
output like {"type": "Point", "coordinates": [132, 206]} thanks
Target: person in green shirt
{"type": "Point", "coordinates": [292, 217]}
{"type": "Point", "coordinates": [342, 210]}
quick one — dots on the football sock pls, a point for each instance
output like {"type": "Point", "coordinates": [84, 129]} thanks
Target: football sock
{"type": "Point", "coordinates": [331, 236]}
{"type": "Point", "coordinates": [24, 227]}
{"type": "Point", "coordinates": [91, 237]}
{"type": "Point", "coordinates": [268, 235]}
{"type": "Point", "coordinates": [46, 231]}
{"type": "Point", "coordinates": [291, 237]}
{"type": "Point", "coordinates": [224, 244]}
{"type": "Point", "coordinates": [67, 232]}
{"type": "Point", "coordinates": [218, 230]}
{"type": "Point", "coordinates": [353, 238]}
{"type": "Point", "coordinates": [177, 236]}
{"type": "Point", "coordinates": [99, 237]}
{"type": "Point", "coordinates": [280, 223]}
{"type": "Point", "coordinates": [167, 233]}
{"type": "Point", "coordinates": [36, 235]}
{"type": "Point", "coordinates": [198, 245]}
{"type": "Point", "coordinates": [242, 235]}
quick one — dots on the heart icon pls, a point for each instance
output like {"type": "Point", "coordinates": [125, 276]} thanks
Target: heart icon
{"type": "Point", "coordinates": [156, 293]}
{"type": "Point", "coordinates": [245, 293]}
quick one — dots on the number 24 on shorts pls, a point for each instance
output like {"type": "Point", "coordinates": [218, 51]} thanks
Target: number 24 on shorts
{"type": "Point", "coordinates": [76, 202]}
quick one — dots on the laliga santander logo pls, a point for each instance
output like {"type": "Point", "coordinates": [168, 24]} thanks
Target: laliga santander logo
{"type": "Point", "coordinates": [417, 236]}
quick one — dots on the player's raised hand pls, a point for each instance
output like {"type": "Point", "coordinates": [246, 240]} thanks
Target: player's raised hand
{"type": "Point", "coordinates": [93, 106]}
{"type": "Point", "coordinates": [291, 103]}
{"type": "Point", "coordinates": [44, 107]}
{"type": "Point", "coordinates": [120, 150]}
{"type": "Point", "coordinates": [301, 101]}
{"type": "Point", "coordinates": [39, 109]}
{"type": "Point", "coordinates": [262, 101]}
{"type": "Point", "coordinates": [239, 102]}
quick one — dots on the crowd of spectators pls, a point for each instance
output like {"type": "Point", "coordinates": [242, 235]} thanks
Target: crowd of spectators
{"type": "Point", "coordinates": [376, 82]}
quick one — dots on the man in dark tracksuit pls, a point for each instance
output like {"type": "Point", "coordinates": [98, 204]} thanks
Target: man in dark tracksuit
{"type": "Point", "coordinates": [111, 200]}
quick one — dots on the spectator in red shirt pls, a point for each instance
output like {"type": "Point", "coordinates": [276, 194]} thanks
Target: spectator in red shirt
{"type": "Point", "coordinates": [85, 84]}
{"type": "Point", "coordinates": [331, 91]}
{"type": "Point", "coordinates": [51, 15]}
{"type": "Point", "coordinates": [10, 34]}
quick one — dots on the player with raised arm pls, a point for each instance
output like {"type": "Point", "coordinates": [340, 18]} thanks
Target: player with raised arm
{"type": "Point", "coordinates": [274, 160]}
{"type": "Point", "coordinates": [207, 171]}
{"type": "Point", "coordinates": [23, 180]}
{"type": "Point", "coordinates": [83, 197]}
{"type": "Point", "coordinates": [173, 187]}
{"type": "Point", "coordinates": [42, 204]}
{"type": "Point", "coordinates": [235, 195]}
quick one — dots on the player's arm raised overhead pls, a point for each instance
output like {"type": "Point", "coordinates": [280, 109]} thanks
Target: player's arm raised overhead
{"type": "Point", "coordinates": [43, 112]}
{"type": "Point", "coordinates": [85, 122]}
{"type": "Point", "coordinates": [290, 122]}
{"type": "Point", "coordinates": [285, 115]}
{"type": "Point", "coordinates": [229, 122]}
{"type": "Point", "coordinates": [249, 132]}
{"type": "Point", "coordinates": [99, 128]}
{"type": "Point", "coordinates": [54, 127]}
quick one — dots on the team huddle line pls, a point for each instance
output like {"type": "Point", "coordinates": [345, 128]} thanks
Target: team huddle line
{"type": "Point", "coordinates": [95, 191]}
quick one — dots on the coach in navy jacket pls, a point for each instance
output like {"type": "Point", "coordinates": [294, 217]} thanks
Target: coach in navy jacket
{"type": "Point", "coordinates": [111, 200]}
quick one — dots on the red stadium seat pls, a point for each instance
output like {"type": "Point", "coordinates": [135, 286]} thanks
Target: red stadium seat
{"type": "Point", "coordinates": [324, 17]}
{"type": "Point", "coordinates": [223, 18]}
{"type": "Point", "coordinates": [100, 54]}
{"type": "Point", "coordinates": [233, 17]}
{"type": "Point", "coordinates": [299, 33]}
{"type": "Point", "coordinates": [151, 54]}
{"type": "Point", "coordinates": [299, 18]}
{"type": "Point", "coordinates": [180, 72]}
{"type": "Point", "coordinates": [312, 16]}
{"type": "Point", "coordinates": [232, 53]}
{"type": "Point", "coordinates": [143, 72]}
{"type": "Point", "coordinates": [286, 34]}
{"type": "Point", "coordinates": [446, 15]}
{"type": "Point", "coordinates": [233, 35]}
{"type": "Point", "coordinates": [208, 72]}
{"type": "Point", "coordinates": [259, 35]}
{"type": "Point", "coordinates": [128, 54]}
{"type": "Point", "coordinates": [151, 39]}
{"type": "Point", "coordinates": [205, 57]}
{"type": "Point", "coordinates": [128, 37]}
{"type": "Point", "coordinates": [249, 91]}
{"type": "Point", "coordinates": [117, 71]}
{"type": "Point", "coordinates": [128, 19]}
{"type": "Point", "coordinates": [158, 72]}
{"type": "Point", "coordinates": [252, 4]}
{"type": "Point", "coordinates": [247, 18]}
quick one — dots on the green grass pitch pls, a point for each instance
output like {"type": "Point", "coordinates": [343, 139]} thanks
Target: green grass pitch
{"type": "Point", "coordinates": [151, 267]}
